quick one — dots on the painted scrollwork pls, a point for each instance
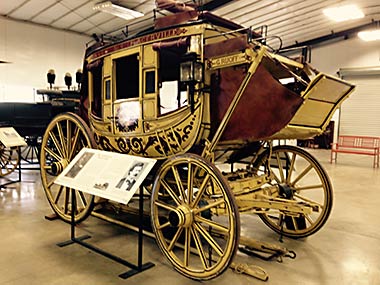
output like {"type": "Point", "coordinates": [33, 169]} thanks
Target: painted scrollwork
{"type": "Point", "coordinates": [167, 142]}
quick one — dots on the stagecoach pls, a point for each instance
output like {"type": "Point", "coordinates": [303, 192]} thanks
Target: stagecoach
{"type": "Point", "coordinates": [207, 99]}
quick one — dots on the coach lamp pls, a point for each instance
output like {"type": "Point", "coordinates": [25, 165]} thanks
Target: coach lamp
{"type": "Point", "coordinates": [78, 78]}
{"type": "Point", "coordinates": [51, 77]}
{"type": "Point", "coordinates": [68, 80]}
{"type": "Point", "coordinates": [191, 73]}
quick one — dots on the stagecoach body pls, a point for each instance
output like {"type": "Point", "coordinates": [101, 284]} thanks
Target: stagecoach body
{"type": "Point", "coordinates": [195, 92]}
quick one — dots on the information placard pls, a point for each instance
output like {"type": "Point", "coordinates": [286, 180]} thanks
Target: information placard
{"type": "Point", "coordinates": [9, 137]}
{"type": "Point", "coordinates": [109, 175]}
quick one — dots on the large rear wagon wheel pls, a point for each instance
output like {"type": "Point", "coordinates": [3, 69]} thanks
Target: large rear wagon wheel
{"type": "Point", "coordinates": [299, 177]}
{"type": "Point", "coordinates": [9, 159]}
{"type": "Point", "coordinates": [64, 137]}
{"type": "Point", "coordinates": [194, 217]}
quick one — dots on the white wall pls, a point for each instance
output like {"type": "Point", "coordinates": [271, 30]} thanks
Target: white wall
{"type": "Point", "coordinates": [352, 52]}
{"type": "Point", "coordinates": [32, 51]}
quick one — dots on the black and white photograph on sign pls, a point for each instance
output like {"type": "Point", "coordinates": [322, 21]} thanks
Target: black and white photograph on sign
{"type": "Point", "coordinates": [131, 176]}
{"type": "Point", "coordinates": [10, 138]}
{"type": "Point", "coordinates": [109, 175]}
{"type": "Point", "coordinates": [78, 166]}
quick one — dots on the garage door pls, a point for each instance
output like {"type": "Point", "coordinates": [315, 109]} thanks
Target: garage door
{"type": "Point", "coordinates": [359, 114]}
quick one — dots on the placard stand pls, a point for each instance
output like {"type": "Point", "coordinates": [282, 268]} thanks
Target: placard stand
{"type": "Point", "coordinates": [135, 269]}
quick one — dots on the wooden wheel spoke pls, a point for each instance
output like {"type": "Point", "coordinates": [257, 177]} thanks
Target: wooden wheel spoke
{"type": "Point", "coordinates": [68, 137]}
{"type": "Point", "coordinates": [175, 238]}
{"type": "Point", "coordinates": [50, 183]}
{"type": "Point", "coordinates": [190, 178]}
{"type": "Point", "coordinates": [198, 245]}
{"type": "Point", "coordinates": [276, 178]}
{"type": "Point", "coordinates": [187, 246]}
{"type": "Point", "coordinates": [61, 137]}
{"type": "Point", "coordinates": [308, 200]}
{"type": "Point", "coordinates": [170, 192]}
{"type": "Point", "coordinates": [201, 191]}
{"type": "Point", "coordinates": [165, 225]}
{"type": "Point", "coordinates": [74, 143]}
{"type": "Point", "coordinates": [57, 145]}
{"type": "Point", "coordinates": [164, 205]}
{"type": "Point", "coordinates": [291, 167]}
{"type": "Point", "coordinates": [211, 241]}
{"type": "Point", "coordinates": [179, 184]}
{"type": "Point", "coordinates": [82, 198]}
{"type": "Point", "coordinates": [295, 224]}
{"type": "Point", "coordinates": [56, 199]}
{"type": "Point", "coordinates": [46, 167]}
{"type": "Point", "coordinates": [214, 225]}
{"type": "Point", "coordinates": [53, 154]}
{"type": "Point", "coordinates": [309, 187]}
{"type": "Point", "coordinates": [302, 174]}
{"type": "Point", "coordinates": [67, 199]}
{"type": "Point", "coordinates": [308, 218]}
{"type": "Point", "coordinates": [280, 169]}
{"type": "Point", "coordinates": [209, 206]}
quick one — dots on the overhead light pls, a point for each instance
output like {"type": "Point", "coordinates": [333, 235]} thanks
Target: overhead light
{"type": "Point", "coordinates": [116, 10]}
{"type": "Point", "coordinates": [343, 13]}
{"type": "Point", "coordinates": [370, 35]}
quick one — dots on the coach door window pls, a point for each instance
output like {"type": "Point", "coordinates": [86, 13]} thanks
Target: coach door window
{"type": "Point", "coordinates": [127, 107]}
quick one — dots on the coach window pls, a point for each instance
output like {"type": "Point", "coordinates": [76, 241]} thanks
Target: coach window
{"type": "Point", "coordinates": [126, 107]}
{"type": "Point", "coordinates": [127, 77]}
{"type": "Point", "coordinates": [172, 93]}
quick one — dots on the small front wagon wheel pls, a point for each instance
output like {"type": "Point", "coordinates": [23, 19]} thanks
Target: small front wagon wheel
{"type": "Point", "coordinates": [194, 217]}
{"type": "Point", "coordinates": [300, 178]}
{"type": "Point", "coordinates": [64, 137]}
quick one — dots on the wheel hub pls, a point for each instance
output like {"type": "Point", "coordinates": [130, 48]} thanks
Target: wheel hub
{"type": "Point", "coordinates": [58, 166]}
{"type": "Point", "coordinates": [181, 217]}
{"type": "Point", "coordinates": [286, 191]}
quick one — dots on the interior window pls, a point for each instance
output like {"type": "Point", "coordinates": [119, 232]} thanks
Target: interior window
{"type": "Point", "coordinates": [108, 89]}
{"type": "Point", "coordinates": [150, 82]}
{"type": "Point", "coordinates": [127, 77]}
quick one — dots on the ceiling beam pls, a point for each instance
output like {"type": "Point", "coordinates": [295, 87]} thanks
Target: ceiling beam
{"type": "Point", "coordinates": [342, 34]}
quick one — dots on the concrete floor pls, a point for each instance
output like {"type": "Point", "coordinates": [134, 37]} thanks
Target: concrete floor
{"type": "Point", "coordinates": [345, 251]}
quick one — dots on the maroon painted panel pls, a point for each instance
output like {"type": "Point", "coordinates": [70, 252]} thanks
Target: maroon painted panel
{"type": "Point", "coordinates": [264, 108]}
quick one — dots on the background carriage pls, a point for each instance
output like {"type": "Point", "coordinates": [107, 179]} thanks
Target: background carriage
{"type": "Point", "coordinates": [30, 121]}
{"type": "Point", "coordinates": [206, 98]}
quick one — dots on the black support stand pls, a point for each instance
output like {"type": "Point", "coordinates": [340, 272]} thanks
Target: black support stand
{"type": "Point", "coordinates": [135, 269]}
{"type": "Point", "coordinates": [19, 173]}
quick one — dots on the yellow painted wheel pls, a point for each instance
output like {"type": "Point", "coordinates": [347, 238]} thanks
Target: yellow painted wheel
{"type": "Point", "coordinates": [64, 137]}
{"type": "Point", "coordinates": [298, 177]}
{"type": "Point", "coordinates": [194, 217]}
{"type": "Point", "coordinates": [9, 159]}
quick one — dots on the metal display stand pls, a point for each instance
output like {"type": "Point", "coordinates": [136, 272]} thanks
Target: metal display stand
{"type": "Point", "coordinates": [135, 269]}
